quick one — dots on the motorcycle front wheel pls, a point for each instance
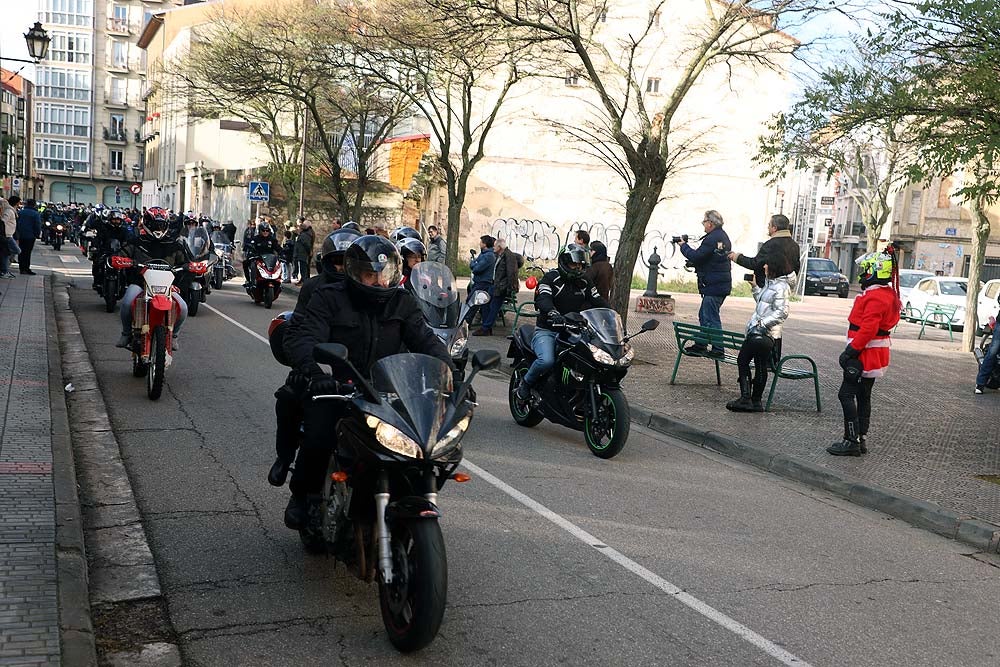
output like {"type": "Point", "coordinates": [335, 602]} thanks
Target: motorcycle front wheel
{"type": "Point", "coordinates": [268, 296]}
{"type": "Point", "coordinates": [110, 295]}
{"type": "Point", "coordinates": [607, 432]}
{"type": "Point", "coordinates": [56, 245]}
{"type": "Point", "coordinates": [193, 301]}
{"type": "Point", "coordinates": [157, 363]}
{"type": "Point", "coordinates": [413, 603]}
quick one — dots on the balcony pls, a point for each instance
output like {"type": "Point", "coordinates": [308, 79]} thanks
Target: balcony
{"type": "Point", "coordinates": [122, 101]}
{"type": "Point", "coordinates": [119, 26]}
{"type": "Point", "coordinates": [116, 135]}
{"type": "Point", "coordinates": [133, 64]}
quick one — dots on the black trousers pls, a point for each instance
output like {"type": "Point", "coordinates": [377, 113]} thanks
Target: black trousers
{"type": "Point", "coordinates": [320, 418]}
{"type": "Point", "coordinates": [856, 399]}
{"type": "Point", "coordinates": [761, 356]}
{"type": "Point", "coordinates": [303, 269]}
{"type": "Point", "coordinates": [24, 259]}
{"type": "Point", "coordinates": [288, 413]}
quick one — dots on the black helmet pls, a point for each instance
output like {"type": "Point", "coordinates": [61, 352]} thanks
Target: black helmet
{"type": "Point", "coordinates": [263, 227]}
{"type": "Point", "coordinates": [372, 266]}
{"type": "Point", "coordinates": [410, 247]}
{"type": "Point", "coordinates": [156, 225]}
{"type": "Point", "coordinates": [573, 261]}
{"type": "Point", "coordinates": [350, 224]}
{"type": "Point", "coordinates": [334, 246]}
{"type": "Point", "coordinates": [401, 233]}
{"type": "Point", "coordinates": [116, 218]}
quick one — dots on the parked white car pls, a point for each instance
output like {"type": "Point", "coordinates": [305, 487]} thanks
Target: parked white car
{"type": "Point", "coordinates": [944, 290]}
{"type": "Point", "coordinates": [908, 279]}
{"type": "Point", "coordinates": [988, 306]}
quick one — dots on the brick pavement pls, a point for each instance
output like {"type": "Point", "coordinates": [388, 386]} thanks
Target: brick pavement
{"type": "Point", "coordinates": [29, 612]}
{"type": "Point", "coordinates": [931, 437]}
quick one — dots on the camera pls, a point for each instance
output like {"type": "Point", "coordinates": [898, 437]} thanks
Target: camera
{"type": "Point", "coordinates": [749, 277]}
{"type": "Point", "coordinates": [679, 239]}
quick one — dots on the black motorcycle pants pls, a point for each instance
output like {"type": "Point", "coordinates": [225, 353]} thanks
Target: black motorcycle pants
{"type": "Point", "coordinates": [320, 420]}
{"type": "Point", "coordinates": [288, 413]}
{"type": "Point", "coordinates": [856, 399]}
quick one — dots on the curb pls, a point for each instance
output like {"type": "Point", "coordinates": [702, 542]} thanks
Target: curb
{"type": "Point", "coordinates": [980, 534]}
{"type": "Point", "coordinates": [76, 629]}
{"type": "Point", "coordinates": [119, 563]}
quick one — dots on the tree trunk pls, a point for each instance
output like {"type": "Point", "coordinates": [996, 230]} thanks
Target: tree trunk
{"type": "Point", "coordinates": [456, 184]}
{"type": "Point", "coordinates": [980, 236]}
{"type": "Point", "coordinates": [639, 207]}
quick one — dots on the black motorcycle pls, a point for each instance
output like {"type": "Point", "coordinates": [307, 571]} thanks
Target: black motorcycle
{"type": "Point", "coordinates": [197, 286]}
{"type": "Point", "coordinates": [583, 389]}
{"type": "Point", "coordinates": [398, 443]}
{"type": "Point", "coordinates": [57, 235]}
{"type": "Point", "coordinates": [223, 269]}
{"type": "Point", "coordinates": [433, 285]}
{"type": "Point", "coordinates": [111, 282]}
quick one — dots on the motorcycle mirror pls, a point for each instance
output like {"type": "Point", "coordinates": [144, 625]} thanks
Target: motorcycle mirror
{"type": "Point", "coordinates": [649, 325]}
{"type": "Point", "coordinates": [484, 360]}
{"type": "Point", "coordinates": [480, 298]}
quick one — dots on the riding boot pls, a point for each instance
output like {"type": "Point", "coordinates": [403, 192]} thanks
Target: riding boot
{"type": "Point", "coordinates": [757, 393]}
{"type": "Point", "coordinates": [850, 445]}
{"type": "Point", "coordinates": [743, 403]}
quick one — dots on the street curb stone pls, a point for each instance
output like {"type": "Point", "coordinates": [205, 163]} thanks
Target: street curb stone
{"type": "Point", "coordinates": [76, 629]}
{"type": "Point", "coordinates": [119, 563]}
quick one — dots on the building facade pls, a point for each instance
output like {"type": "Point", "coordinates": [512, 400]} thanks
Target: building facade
{"type": "Point", "coordinates": [87, 109]}
{"type": "Point", "coordinates": [15, 124]}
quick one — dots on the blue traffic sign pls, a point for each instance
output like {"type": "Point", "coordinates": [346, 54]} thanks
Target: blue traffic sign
{"type": "Point", "coordinates": [259, 191]}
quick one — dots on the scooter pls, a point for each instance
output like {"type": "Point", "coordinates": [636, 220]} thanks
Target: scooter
{"type": "Point", "coordinates": [153, 318]}
{"type": "Point", "coordinates": [266, 279]}
{"type": "Point", "coordinates": [433, 285]}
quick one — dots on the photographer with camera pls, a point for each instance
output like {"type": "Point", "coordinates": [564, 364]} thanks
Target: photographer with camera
{"type": "Point", "coordinates": [779, 250]}
{"type": "Point", "coordinates": [715, 279]}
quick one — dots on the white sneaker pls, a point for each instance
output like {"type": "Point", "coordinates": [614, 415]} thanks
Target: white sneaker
{"type": "Point", "coordinates": [979, 388]}
{"type": "Point", "coordinates": [8, 275]}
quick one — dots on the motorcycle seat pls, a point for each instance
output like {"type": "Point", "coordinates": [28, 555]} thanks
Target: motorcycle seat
{"type": "Point", "coordinates": [525, 333]}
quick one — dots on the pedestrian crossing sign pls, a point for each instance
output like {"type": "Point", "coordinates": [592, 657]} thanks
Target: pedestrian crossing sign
{"type": "Point", "coordinates": [259, 191]}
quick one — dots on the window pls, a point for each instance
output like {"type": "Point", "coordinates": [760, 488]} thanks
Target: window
{"type": "Point", "coordinates": [118, 91]}
{"type": "Point", "coordinates": [66, 119]}
{"type": "Point", "coordinates": [119, 18]}
{"type": "Point", "coordinates": [652, 85]}
{"type": "Point", "coordinates": [119, 54]}
{"type": "Point", "coordinates": [67, 12]}
{"type": "Point", "coordinates": [57, 154]}
{"type": "Point", "coordinates": [62, 84]}
{"type": "Point", "coordinates": [914, 216]}
{"type": "Point", "coordinates": [117, 125]}
{"type": "Point", "coordinates": [572, 78]}
{"type": "Point", "coordinates": [115, 160]}
{"type": "Point", "coordinates": [70, 47]}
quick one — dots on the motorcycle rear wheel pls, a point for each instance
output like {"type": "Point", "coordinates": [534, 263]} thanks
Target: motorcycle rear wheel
{"type": "Point", "coordinates": [413, 604]}
{"type": "Point", "coordinates": [607, 433]}
{"type": "Point", "coordinates": [157, 364]}
{"type": "Point", "coordinates": [523, 414]}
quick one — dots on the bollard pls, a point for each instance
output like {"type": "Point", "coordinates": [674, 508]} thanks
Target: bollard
{"type": "Point", "coordinates": [654, 274]}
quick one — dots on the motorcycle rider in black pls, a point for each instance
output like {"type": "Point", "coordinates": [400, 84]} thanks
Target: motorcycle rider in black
{"type": "Point", "coordinates": [113, 229]}
{"type": "Point", "coordinates": [264, 242]}
{"type": "Point", "coordinates": [560, 291]}
{"type": "Point", "coordinates": [373, 319]}
{"type": "Point", "coordinates": [289, 397]}
{"type": "Point", "coordinates": [154, 241]}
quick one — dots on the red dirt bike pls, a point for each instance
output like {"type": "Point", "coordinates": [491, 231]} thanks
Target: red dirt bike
{"type": "Point", "coordinates": [153, 318]}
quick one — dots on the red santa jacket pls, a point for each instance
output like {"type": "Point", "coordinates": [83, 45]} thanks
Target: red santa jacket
{"type": "Point", "coordinates": [875, 312]}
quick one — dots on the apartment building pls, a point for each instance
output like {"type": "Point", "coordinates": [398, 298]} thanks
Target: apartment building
{"type": "Point", "coordinates": [15, 121]}
{"type": "Point", "coordinates": [87, 108]}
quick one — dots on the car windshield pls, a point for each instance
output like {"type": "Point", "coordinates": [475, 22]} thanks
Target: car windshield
{"type": "Point", "coordinates": [953, 288]}
{"type": "Point", "coordinates": [606, 324]}
{"type": "Point", "coordinates": [434, 287]}
{"type": "Point", "coordinates": [417, 387]}
{"type": "Point", "coordinates": [823, 265]}
{"type": "Point", "coordinates": [911, 279]}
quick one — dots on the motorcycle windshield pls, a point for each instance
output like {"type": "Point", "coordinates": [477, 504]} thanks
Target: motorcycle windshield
{"type": "Point", "coordinates": [606, 324]}
{"type": "Point", "coordinates": [417, 387]}
{"type": "Point", "coordinates": [197, 240]}
{"type": "Point", "coordinates": [270, 261]}
{"type": "Point", "coordinates": [434, 286]}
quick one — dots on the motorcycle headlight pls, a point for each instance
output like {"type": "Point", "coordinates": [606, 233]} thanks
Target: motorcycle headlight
{"type": "Point", "coordinates": [600, 356]}
{"type": "Point", "coordinates": [459, 346]}
{"type": "Point", "coordinates": [627, 357]}
{"type": "Point", "coordinates": [218, 252]}
{"type": "Point", "coordinates": [59, 228]}
{"type": "Point", "coordinates": [452, 437]}
{"type": "Point", "coordinates": [393, 439]}
{"type": "Point", "coordinates": [159, 289]}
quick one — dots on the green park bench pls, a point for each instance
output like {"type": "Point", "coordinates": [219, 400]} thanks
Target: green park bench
{"type": "Point", "coordinates": [940, 314]}
{"type": "Point", "coordinates": [732, 341]}
{"type": "Point", "coordinates": [510, 305]}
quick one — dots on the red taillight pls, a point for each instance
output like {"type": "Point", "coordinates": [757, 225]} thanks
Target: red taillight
{"type": "Point", "coordinates": [197, 268]}
{"type": "Point", "coordinates": [120, 262]}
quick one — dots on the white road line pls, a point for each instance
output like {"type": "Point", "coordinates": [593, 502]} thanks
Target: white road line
{"type": "Point", "coordinates": [690, 601]}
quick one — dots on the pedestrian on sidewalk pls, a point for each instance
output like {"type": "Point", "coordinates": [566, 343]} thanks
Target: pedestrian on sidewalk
{"type": "Point", "coordinates": [866, 357]}
{"type": "Point", "coordinates": [780, 244]}
{"type": "Point", "coordinates": [435, 245]}
{"type": "Point", "coordinates": [29, 228]}
{"type": "Point", "coordinates": [763, 336]}
{"type": "Point", "coordinates": [303, 250]}
{"type": "Point", "coordinates": [505, 283]}
{"type": "Point", "coordinates": [989, 362]}
{"type": "Point", "coordinates": [287, 254]}
{"type": "Point", "coordinates": [482, 268]}
{"type": "Point", "coordinates": [601, 274]}
{"type": "Point", "coordinates": [8, 228]}
{"type": "Point", "coordinates": [715, 278]}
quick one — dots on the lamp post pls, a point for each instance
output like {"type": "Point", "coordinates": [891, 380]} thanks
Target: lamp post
{"type": "Point", "coordinates": [69, 170]}
{"type": "Point", "coordinates": [136, 173]}
{"type": "Point", "coordinates": [38, 46]}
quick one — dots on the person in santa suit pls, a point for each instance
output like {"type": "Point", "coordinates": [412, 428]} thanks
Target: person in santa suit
{"type": "Point", "coordinates": [866, 357]}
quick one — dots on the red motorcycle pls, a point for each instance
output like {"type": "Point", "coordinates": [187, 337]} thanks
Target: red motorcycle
{"type": "Point", "coordinates": [266, 277]}
{"type": "Point", "coordinates": [153, 318]}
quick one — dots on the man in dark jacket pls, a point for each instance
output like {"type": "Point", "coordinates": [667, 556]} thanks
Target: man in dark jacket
{"type": "Point", "coordinates": [29, 228]}
{"type": "Point", "coordinates": [436, 247]}
{"type": "Point", "coordinates": [715, 278]}
{"type": "Point", "coordinates": [482, 267]}
{"type": "Point", "coordinates": [259, 245]}
{"type": "Point", "coordinates": [229, 229]}
{"type": "Point", "coordinates": [303, 249]}
{"type": "Point", "coordinates": [505, 283]}
{"type": "Point", "coordinates": [779, 250]}
{"type": "Point", "coordinates": [372, 318]}
{"type": "Point", "coordinates": [600, 274]}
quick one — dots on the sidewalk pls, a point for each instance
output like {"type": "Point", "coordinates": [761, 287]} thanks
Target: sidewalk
{"type": "Point", "coordinates": [931, 439]}
{"type": "Point", "coordinates": [39, 592]}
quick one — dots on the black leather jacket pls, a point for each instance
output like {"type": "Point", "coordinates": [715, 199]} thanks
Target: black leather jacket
{"type": "Point", "coordinates": [173, 252]}
{"type": "Point", "coordinates": [369, 332]}
{"type": "Point", "coordinates": [556, 293]}
{"type": "Point", "coordinates": [259, 245]}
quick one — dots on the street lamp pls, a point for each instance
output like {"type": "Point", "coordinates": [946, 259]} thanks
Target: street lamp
{"type": "Point", "coordinates": [38, 42]}
{"type": "Point", "coordinates": [69, 170]}
{"type": "Point", "coordinates": [136, 173]}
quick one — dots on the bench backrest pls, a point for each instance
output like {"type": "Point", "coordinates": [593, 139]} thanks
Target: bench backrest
{"type": "Point", "coordinates": [687, 332]}
{"type": "Point", "coordinates": [940, 308]}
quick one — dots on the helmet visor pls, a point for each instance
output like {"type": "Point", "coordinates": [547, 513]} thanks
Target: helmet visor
{"type": "Point", "coordinates": [380, 271]}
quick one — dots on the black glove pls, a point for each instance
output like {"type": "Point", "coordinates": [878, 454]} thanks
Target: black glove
{"type": "Point", "coordinates": [319, 386]}
{"type": "Point", "coordinates": [470, 394]}
{"type": "Point", "coordinates": [555, 317]}
{"type": "Point", "coordinates": [848, 354]}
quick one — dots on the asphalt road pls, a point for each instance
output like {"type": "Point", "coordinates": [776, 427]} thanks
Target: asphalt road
{"type": "Point", "coordinates": [665, 555]}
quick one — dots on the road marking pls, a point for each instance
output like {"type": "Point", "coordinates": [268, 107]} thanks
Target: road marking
{"type": "Point", "coordinates": [229, 319]}
{"type": "Point", "coordinates": [687, 599]}
{"type": "Point", "coordinates": [690, 601]}
{"type": "Point", "coordinates": [69, 259]}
